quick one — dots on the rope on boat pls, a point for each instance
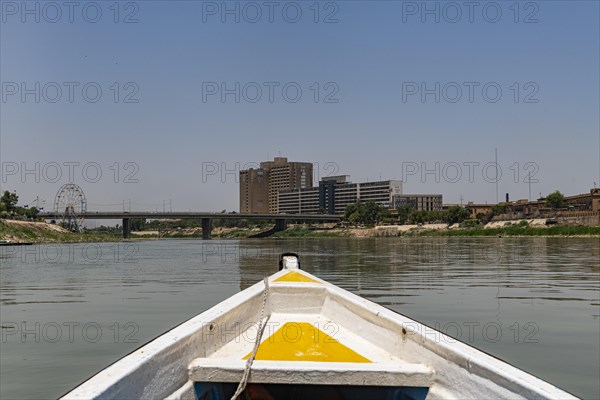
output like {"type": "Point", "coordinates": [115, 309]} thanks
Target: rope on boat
{"type": "Point", "coordinates": [259, 333]}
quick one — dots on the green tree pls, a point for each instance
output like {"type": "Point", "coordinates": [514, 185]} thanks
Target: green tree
{"type": "Point", "coordinates": [434, 216]}
{"type": "Point", "coordinates": [353, 217]}
{"type": "Point", "coordinates": [456, 215]}
{"type": "Point", "coordinates": [499, 209]}
{"type": "Point", "coordinates": [403, 214]}
{"type": "Point", "coordinates": [366, 213]}
{"type": "Point", "coordinates": [31, 213]}
{"type": "Point", "coordinates": [556, 200]}
{"type": "Point", "coordinates": [418, 216]}
{"type": "Point", "coordinates": [136, 224]}
{"type": "Point", "coordinates": [9, 200]}
{"type": "Point", "coordinates": [383, 214]}
{"type": "Point", "coordinates": [370, 212]}
{"type": "Point", "coordinates": [350, 210]}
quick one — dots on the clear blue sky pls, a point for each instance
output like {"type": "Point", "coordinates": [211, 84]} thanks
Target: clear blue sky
{"type": "Point", "coordinates": [370, 57]}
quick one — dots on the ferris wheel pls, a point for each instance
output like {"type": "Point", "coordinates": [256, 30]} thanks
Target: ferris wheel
{"type": "Point", "coordinates": [71, 205]}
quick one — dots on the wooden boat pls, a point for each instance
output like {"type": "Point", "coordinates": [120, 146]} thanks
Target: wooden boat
{"type": "Point", "coordinates": [295, 336]}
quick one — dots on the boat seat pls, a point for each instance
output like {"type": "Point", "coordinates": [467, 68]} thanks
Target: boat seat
{"type": "Point", "coordinates": [398, 373]}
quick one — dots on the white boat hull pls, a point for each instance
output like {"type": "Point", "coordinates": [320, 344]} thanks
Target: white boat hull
{"type": "Point", "coordinates": [355, 342]}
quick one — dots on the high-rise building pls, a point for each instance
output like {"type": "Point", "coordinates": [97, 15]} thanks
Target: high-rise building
{"type": "Point", "coordinates": [254, 191]}
{"type": "Point", "coordinates": [259, 187]}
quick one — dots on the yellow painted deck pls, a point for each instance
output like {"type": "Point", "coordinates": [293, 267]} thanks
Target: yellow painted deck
{"type": "Point", "coordinates": [301, 341]}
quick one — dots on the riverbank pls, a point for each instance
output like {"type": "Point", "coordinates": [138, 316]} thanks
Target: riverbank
{"type": "Point", "coordinates": [39, 232]}
{"type": "Point", "coordinates": [441, 230]}
{"type": "Point", "coordinates": [583, 231]}
{"type": "Point", "coordinates": [13, 231]}
{"type": "Point", "coordinates": [20, 232]}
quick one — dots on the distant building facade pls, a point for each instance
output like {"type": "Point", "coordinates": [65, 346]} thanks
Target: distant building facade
{"type": "Point", "coordinates": [299, 201]}
{"type": "Point", "coordinates": [588, 202]}
{"type": "Point", "coordinates": [254, 191]}
{"type": "Point", "coordinates": [420, 202]}
{"type": "Point", "coordinates": [579, 202]}
{"type": "Point", "coordinates": [334, 193]}
{"type": "Point", "coordinates": [259, 187]}
{"type": "Point", "coordinates": [477, 208]}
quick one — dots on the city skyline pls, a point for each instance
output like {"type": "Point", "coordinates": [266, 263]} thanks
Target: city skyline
{"type": "Point", "coordinates": [42, 171]}
{"type": "Point", "coordinates": [394, 107]}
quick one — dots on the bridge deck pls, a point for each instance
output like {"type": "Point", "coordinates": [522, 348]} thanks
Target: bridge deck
{"type": "Point", "coordinates": [196, 215]}
{"type": "Point", "coordinates": [206, 217]}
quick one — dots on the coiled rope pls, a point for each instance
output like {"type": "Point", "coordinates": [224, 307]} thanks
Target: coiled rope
{"type": "Point", "coordinates": [259, 334]}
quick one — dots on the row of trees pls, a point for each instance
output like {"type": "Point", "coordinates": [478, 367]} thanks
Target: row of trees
{"type": "Point", "coordinates": [9, 207]}
{"type": "Point", "coordinates": [369, 213]}
{"type": "Point", "coordinates": [366, 213]}
{"type": "Point", "coordinates": [454, 215]}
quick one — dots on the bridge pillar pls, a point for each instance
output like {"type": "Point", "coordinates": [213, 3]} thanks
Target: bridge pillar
{"type": "Point", "coordinates": [206, 228]}
{"type": "Point", "coordinates": [280, 224]}
{"type": "Point", "coordinates": [126, 228]}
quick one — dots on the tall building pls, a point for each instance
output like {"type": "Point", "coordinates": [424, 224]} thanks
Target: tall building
{"type": "Point", "coordinates": [334, 193]}
{"type": "Point", "coordinates": [259, 187]}
{"type": "Point", "coordinates": [254, 191]}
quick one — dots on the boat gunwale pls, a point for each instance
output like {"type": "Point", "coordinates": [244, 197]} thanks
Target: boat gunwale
{"type": "Point", "coordinates": [469, 358]}
{"type": "Point", "coordinates": [111, 375]}
{"type": "Point", "coordinates": [465, 356]}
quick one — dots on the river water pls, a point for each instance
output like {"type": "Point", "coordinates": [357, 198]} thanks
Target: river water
{"type": "Point", "coordinates": [69, 310]}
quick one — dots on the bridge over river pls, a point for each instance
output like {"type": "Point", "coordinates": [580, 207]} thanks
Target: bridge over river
{"type": "Point", "coordinates": [281, 220]}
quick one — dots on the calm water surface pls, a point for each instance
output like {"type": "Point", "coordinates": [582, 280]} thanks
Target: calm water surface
{"type": "Point", "coordinates": [67, 311]}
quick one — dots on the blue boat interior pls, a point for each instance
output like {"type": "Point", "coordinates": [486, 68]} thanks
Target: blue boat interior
{"type": "Point", "coordinates": [224, 391]}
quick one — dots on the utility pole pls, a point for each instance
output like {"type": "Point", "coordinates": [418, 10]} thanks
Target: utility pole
{"type": "Point", "coordinates": [529, 181]}
{"type": "Point", "coordinates": [496, 156]}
